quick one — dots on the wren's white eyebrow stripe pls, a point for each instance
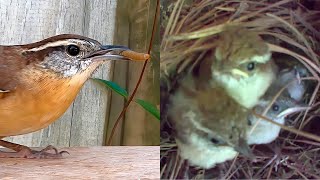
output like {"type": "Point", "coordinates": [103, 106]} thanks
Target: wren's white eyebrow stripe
{"type": "Point", "coordinates": [51, 44]}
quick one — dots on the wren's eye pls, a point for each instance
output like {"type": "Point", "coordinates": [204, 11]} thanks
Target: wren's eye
{"type": "Point", "coordinates": [275, 107]}
{"type": "Point", "coordinates": [214, 141]}
{"type": "Point", "coordinates": [73, 50]}
{"type": "Point", "coordinates": [250, 66]}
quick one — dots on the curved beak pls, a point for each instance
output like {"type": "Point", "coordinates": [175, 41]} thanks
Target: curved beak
{"type": "Point", "coordinates": [293, 110]}
{"type": "Point", "coordinates": [113, 52]}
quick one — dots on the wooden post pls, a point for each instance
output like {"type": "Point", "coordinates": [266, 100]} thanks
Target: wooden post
{"type": "Point", "coordinates": [134, 27]}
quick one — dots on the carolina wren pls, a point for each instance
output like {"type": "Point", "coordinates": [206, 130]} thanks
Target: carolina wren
{"type": "Point", "coordinates": [242, 65]}
{"type": "Point", "coordinates": [213, 101]}
{"type": "Point", "coordinates": [204, 151]}
{"type": "Point", "coordinates": [200, 151]}
{"type": "Point", "coordinates": [288, 102]}
{"type": "Point", "coordinates": [40, 80]}
{"type": "Point", "coordinates": [291, 77]}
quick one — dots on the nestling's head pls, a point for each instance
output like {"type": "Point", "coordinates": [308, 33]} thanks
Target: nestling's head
{"type": "Point", "coordinates": [236, 139]}
{"type": "Point", "coordinates": [240, 53]}
{"type": "Point", "coordinates": [263, 132]}
{"type": "Point", "coordinates": [242, 65]}
{"type": "Point", "coordinates": [288, 102]}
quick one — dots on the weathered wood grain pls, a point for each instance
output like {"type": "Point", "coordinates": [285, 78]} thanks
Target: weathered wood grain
{"type": "Point", "coordinates": [140, 126]}
{"type": "Point", "coordinates": [24, 21]}
{"type": "Point", "coordinates": [133, 28]}
{"type": "Point", "coordinates": [120, 74]}
{"type": "Point", "coordinates": [88, 163]}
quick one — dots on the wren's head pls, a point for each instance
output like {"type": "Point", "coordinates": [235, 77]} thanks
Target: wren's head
{"type": "Point", "coordinates": [263, 132]}
{"type": "Point", "coordinates": [242, 65]}
{"type": "Point", "coordinates": [67, 55]}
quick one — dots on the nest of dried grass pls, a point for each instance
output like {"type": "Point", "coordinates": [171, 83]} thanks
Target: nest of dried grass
{"type": "Point", "coordinates": [289, 28]}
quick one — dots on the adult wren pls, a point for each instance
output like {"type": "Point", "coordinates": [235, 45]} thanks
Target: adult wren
{"type": "Point", "coordinates": [213, 100]}
{"type": "Point", "coordinates": [39, 81]}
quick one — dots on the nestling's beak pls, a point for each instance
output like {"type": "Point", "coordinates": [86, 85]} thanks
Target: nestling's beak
{"type": "Point", "coordinates": [111, 52]}
{"type": "Point", "coordinates": [237, 73]}
{"type": "Point", "coordinates": [293, 110]}
{"type": "Point", "coordinates": [244, 149]}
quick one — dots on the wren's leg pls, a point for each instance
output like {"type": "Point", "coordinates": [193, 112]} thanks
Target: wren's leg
{"type": "Point", "coordinates": [25, 152]}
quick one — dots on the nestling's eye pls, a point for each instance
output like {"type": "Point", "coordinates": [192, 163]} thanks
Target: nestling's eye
{"type": "Point", "coordinates": [214, 141]}
{"type": "Point", "coordinates": [250, 66]}
{"type": "Point", "coordinates": [73, 50]}
{"type": "Point", "coordinates": [275, 107]}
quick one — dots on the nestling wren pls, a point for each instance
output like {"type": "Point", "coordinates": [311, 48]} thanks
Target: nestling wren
{"type": "Point", "coordinates": [242, 65]}
{"type": "Point", "coordinates": [291, 77]}
{"type": "Point", "coordinates": [39, 81]}
{"type": "Point", "coordinates": [204, 151]}
{"type": "Point", "coordinates": [213, 101]}
{"type": "Point", "coordinates": [289, 101]}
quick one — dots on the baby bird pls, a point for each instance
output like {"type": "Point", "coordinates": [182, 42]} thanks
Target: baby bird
{"type": "Point", "coordinates": [209, 152]}
{"type": "Point", "coordinates": [289, 77]}
{"type": "Point", "coordinates": [263, 132]}
{"type": "Point", "coordinates": [242, 65]}
{"type": "Point", "coordinates": [212, 102]}
{"type": "Point", "coordinates": [204, 151]}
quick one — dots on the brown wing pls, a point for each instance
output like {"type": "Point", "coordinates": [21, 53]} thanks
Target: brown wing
{"type": "Point", "coordinates": [221, 112]}
{"type": "Point", "coordinates": [11, 65]}
{"type": "Point", "coordinates": [225, 117]}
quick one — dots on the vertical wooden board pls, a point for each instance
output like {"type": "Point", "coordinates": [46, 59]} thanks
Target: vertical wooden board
{"type": "Point", "coordinates": [23, 21]}
{"type": "Point", "coordinates": [141, 127]}
{"type": "Point", "coordinates": [117, 102]}
{"type": "Point", "coordinates": [90, 112]}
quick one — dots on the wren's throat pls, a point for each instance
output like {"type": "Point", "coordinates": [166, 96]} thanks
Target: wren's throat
{"type": "Point", "coordinates": [247, 91]}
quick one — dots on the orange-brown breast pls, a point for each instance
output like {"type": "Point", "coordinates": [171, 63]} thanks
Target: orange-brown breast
{"type": "Point", "coordinates": [39, 99]}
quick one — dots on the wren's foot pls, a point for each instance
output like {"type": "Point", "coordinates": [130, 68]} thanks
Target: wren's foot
{"type": "Point", "coordinates": [26, 152]}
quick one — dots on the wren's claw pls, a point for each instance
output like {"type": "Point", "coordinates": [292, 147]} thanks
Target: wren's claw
{"type": "Point", "coordinates": [44, 154]}
{"type": "Point", "coordinates": [33, 154]}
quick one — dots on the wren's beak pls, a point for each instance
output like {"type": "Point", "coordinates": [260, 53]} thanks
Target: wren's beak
{"type": "Point", "coordinates": [237, 73]}
{"type": "Point", "coordinates": [112, 52]}
{"type": "Point", "coordinates": [293, 110]}
{"type": "Point", "coordinates": [244, 148]}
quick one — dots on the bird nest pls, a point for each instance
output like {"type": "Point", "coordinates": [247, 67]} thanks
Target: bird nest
{"type": "Point", "coordinates": [290, 27]}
